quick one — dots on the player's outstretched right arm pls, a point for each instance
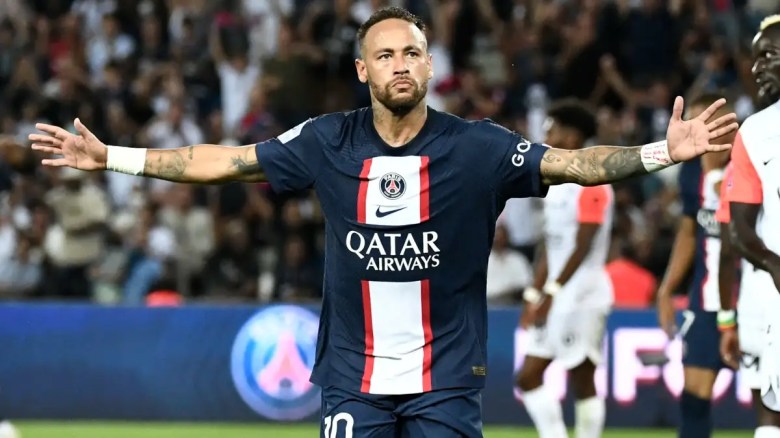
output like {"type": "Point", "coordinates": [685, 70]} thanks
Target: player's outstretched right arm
{"type": "Point", "coordinates": [191, 164]}
{"type": "Point", "coordinates": [685, 140]}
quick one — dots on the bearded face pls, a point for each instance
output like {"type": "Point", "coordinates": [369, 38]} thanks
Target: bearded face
{"type": "Point", "coordinates": [395, 65]}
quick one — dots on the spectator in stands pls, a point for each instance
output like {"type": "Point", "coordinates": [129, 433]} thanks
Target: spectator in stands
{"type": "Point", "coordinates": [22, 273]}
{"type": "Point", "coordinates": [153, 246]}
{"type": "Point", "coordinates": [76, 240]}
{"type": "Point", "coordinates": [300, 275]}
{"type": "Point", "coordinates": [233, 271]}
{"type": "Point", "coordinates": [150, 80]}
{"type": "Point", "coordinates": [193, 229]}
{"type": "Point", "coordinates": [110, 44]}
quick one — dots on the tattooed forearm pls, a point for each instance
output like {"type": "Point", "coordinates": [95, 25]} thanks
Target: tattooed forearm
{"type": "Point", "coordinates": [623, 163]}
{"type": "Point", "coordinates": [168, 164]}
{"type": "Point", "coordinates": [591, 166]}
{"type": "Point", "coordinates": [204, 164]}
{"type": "Point", "coordinates": [246, 163]}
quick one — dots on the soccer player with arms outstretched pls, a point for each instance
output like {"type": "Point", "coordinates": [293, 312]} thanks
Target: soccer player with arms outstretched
{"type": "Point", "coordinates": [410, 196]}
{"type": "Point", "coordinates": [754, 204]}
{"type": "Point", "coordinates": [566, 323]}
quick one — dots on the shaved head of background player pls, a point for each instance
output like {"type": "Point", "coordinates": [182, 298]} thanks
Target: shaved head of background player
{"type": "Point", "coordinates": [766, 61]}
{"type": "Point", "coordinates": [696, 249]}
{"type": "Point", "coordinates": [754, 199]}
{"type": "Point", "coordinates": [411, 196]}
{"type": "Point", "coordinates": [578, 293]}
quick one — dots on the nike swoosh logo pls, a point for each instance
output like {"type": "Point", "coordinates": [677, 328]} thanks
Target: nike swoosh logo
{"type": "Point", "coordinates": [767, 161]}
{"type": "Point", "coordinates": [380, 213]}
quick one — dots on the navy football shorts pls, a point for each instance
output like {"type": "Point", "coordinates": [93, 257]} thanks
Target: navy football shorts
{"type": "Point", "coordinates": [701, 340]}
{"type": "Point", "coordinates": [446, 413]}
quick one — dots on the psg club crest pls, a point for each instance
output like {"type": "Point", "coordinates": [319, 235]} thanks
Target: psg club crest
{"type": "Point", "coordinates": [392, 185]}
{"type": "Point", "coordinates": [272, 359]}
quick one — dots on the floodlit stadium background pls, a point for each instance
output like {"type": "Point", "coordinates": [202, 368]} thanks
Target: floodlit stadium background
{"type": "Point", "coordinates": [166, 73]}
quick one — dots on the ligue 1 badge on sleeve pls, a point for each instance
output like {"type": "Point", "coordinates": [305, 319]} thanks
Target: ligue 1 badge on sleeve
{"type": "Point", "coordinates": [272, 359]}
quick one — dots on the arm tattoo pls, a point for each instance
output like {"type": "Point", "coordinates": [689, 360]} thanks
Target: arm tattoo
{"type": "Point", "coordinates": [591, 166]}
{"type": "Point", "coordinates": [245, 165]}
{"type": "Point", "coordinates": [170, 166]}
{"type": "Point", "coordinates": [214, 164]}
{"type": "Point", "coordinates": [623, 163]}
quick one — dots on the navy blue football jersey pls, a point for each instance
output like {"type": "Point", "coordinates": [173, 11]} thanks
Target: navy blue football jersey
{"type": "Point", "coordinates": [700, 202]}
{"type": "Point", "coordinates": [408, 234]}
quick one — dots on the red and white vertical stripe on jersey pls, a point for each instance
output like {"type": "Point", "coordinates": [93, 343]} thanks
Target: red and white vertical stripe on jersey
{"type": "Point", "coordinates": [397, 318]}
{"type": "Point", "coordinates": [425, 189]}
{"type": "Point", "coordinates": [710, 290]}
{"type": "Point", "coordinates": [411, 206]}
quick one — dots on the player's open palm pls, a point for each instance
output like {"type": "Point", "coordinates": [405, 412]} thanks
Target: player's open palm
{"type": "Point", "coordinates": [83, 151]}
{"type": "Point", "coordinates": [687, 139]}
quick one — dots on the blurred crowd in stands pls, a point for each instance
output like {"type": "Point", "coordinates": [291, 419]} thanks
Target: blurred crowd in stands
{"type": "Point", "coordinates": [169, 73]}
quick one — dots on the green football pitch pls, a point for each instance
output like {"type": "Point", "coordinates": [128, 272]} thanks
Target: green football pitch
{"type": "Point", "coordinates": [189, 430]}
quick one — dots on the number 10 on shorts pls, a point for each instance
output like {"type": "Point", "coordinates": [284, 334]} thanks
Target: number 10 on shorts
{"type": "Point", "coordinates": [332, 421]}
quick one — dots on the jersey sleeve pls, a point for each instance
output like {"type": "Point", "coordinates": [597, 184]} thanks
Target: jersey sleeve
{"type": "Point", "coordinates": [517, 163]}
{"type": "Point", "coordinates": [723, 213]}
{"type": "Point", "coordinates": [592, 205]}
{"type": "Point", "coordinates": [746, 184]}
{"type": "Point", "coordinates": [291, 161]}
{"type": "Point", "coordinates": [689, 181]}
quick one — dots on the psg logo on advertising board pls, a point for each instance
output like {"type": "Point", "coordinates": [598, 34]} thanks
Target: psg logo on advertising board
{"type": "Point", "coordinates": [392, 185]}
{"type": "Point", "coordinates": [272, 359]}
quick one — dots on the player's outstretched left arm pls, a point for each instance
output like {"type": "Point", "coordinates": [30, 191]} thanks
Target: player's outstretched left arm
{"type": "Point", "coordinates": [191, 164]}
{"type": "Point", "coordinates": [685, 140]}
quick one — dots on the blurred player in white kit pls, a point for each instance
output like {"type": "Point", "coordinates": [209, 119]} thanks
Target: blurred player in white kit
{"type": "Point", "coordinates": [566, 319]}
{"type": "Point", "coordinates": [743, 331]}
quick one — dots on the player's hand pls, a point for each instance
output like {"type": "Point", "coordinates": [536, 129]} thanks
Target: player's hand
{"type": "Point", "coordinates": [729, 348]}
{"type": "Point", "coordinates": [84, 151]}
{"type": "Point", "coordinates": [541, 310]}
{"type": "Point", "coordinates": [666, 314]}
{"type": "Point", "coordinates": [687, 139]}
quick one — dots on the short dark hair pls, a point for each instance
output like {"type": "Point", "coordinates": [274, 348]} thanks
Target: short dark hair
{"type": "Point", "coordinates": [574, 114]}
{"type": "Point", "coordinates": [388, 13]}
{"type": "Point", "coordinates": [706, 99]}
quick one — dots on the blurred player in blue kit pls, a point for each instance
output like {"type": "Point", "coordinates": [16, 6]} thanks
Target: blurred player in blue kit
{"type": "Point", "coordinates": [411, 197]}
{"type": "Point", "coordinates": [697, 246]}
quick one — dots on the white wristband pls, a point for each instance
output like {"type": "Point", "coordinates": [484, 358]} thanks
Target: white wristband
{"type": "Point", "coordinates": [126, 160]}
{"type": "Point", "coordinates": [532, 295]}
{"type": "Point", "coordinates": [655, 156]}
{"type": "Point", "coordinates": [726, 316]}
{"type": "Point", "coordinates": [552, 288]}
